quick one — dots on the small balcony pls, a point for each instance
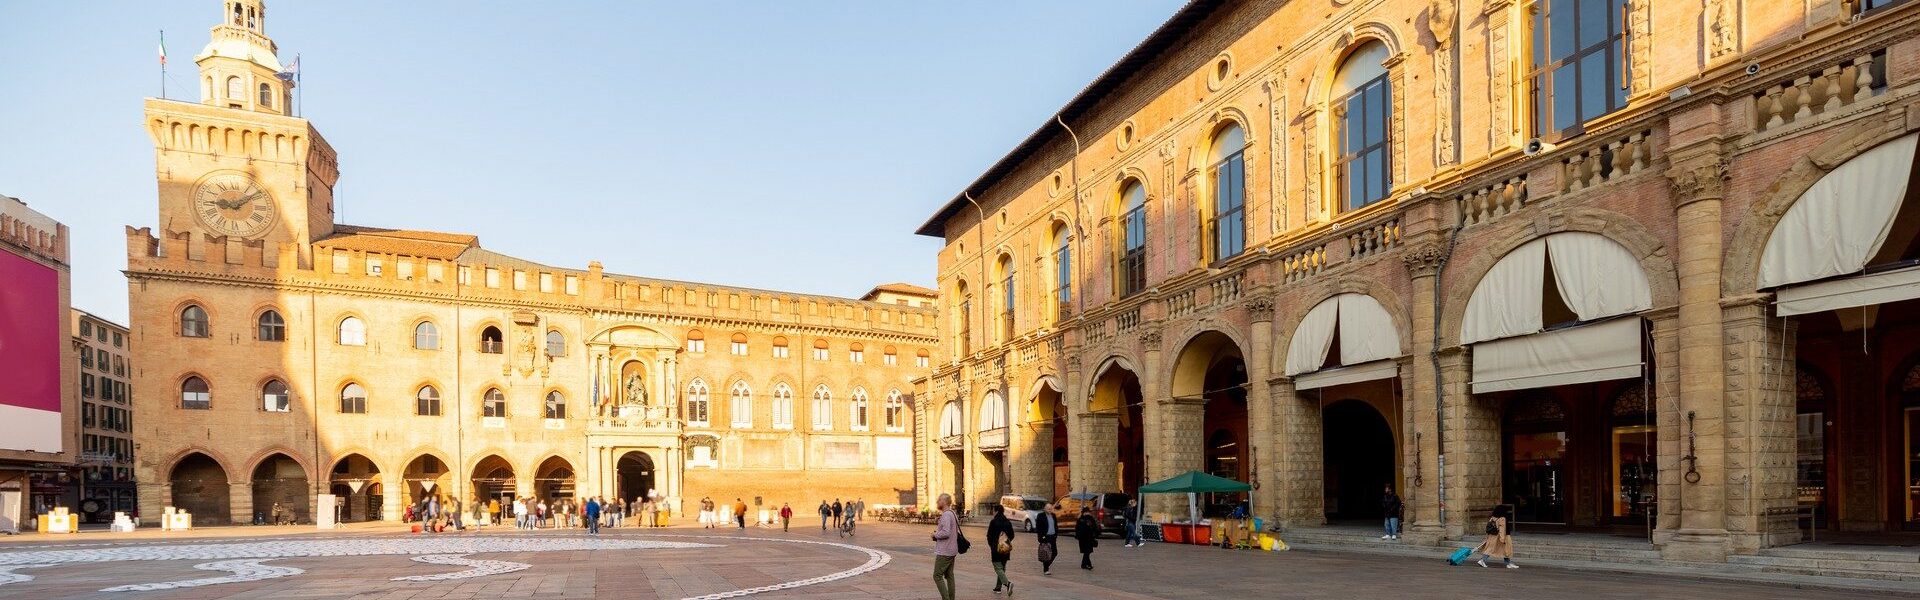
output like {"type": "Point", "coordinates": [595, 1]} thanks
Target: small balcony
{"type": "Point", "coordinates": [993, 439]}
{"type": "Point", "coordinates": [953, 442]}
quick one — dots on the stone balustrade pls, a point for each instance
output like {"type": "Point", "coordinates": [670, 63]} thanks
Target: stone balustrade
{"type": "Point", "coordinates": [1486, 204]}
{"type": "Point", "coordinates": [1607, 162]}
{"type": "Point", "coordinates": [1831, 88]}
{"type": "Point", "coordinates": [1225, 289]}
{"type": "Point", "coordinates": [1127, 320]}
{"type": "Point", "coordinates": [1373, 238]}
{"type": "Point", "coordinates": [1182, 303]}
{"type": "Point", "coordinates": [1303, 264]}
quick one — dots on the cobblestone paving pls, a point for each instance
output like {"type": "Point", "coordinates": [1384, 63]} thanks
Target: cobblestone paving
{"type": "Point", "coordinates": [885, 561]}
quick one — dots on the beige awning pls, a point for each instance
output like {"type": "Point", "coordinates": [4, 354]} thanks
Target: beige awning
{"type": "Point", "coordinates": [1595, 352]}
{"type": "Point", "coordinates": [1850, 292]}
{"type": "Point", "coordinates": [1837, 225]}
{"type": "Point", "coordinates": [1379, 369]}
{"type": "Point", "coordinates": [1365, 330]}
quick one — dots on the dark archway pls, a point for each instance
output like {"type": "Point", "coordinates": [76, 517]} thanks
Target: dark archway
{"type": "Point", "coordinates": [554, 479]}
{"type": "Point", "coordinates": [200, 488]}
{"type": "Point", "coordinates": [1358, 448]}
{"type": "Point", "coordinates": [280, 480]}
{"type": "Point", "coordinates": [1117, 392]}
{"type": "Point", "coordinates": [353, 480]}
{"type": "Point", "coordinates": [636, 475]}
{"type": "Point", "coordinates": [492, 480]}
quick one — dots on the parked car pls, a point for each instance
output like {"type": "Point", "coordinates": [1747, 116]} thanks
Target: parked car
{"type": "Point", "coordinates": [1107, 509]}
{"type": "Point", "coordinates": [1021, 509]}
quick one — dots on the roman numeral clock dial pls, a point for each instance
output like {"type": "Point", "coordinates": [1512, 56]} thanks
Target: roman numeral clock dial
{"type": "Point", "coordinates": [233, 204]}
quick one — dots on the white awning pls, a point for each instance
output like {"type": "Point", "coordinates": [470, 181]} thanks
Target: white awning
{"type": "Point", "coordinates": [1365, 330]}
{"type": "Point", "coordinates": [1507, 300]}
{"type": "Point", "coordinates": [1596, 276]}
{"type": "Point", "coordinates": [1837, 225]}
{"type": "Point", "coordinates": [1379, 369]}
{"type": "Point", "coordinates": [1860, 290]}
{"type": "Point", "coordinates": [1596, 352]}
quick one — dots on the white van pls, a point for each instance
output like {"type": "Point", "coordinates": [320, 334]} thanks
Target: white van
{"type": "Point", "coordinates": [1021, 509]}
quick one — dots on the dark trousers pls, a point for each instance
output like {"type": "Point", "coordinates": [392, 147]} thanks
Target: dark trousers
{"type": "Point", "coordinates": [1086, 560]}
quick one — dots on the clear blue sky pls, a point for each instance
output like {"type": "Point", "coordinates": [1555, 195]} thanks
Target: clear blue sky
{"type": "Point", "coordinates": [792, 145]}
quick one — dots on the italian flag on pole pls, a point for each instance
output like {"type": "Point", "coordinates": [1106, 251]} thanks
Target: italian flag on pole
{"type": "Point", "coordinates": [163, 48]}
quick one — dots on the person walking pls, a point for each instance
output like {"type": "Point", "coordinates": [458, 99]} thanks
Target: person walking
{"type": "Point", "coordinates": [493, 508]}
{"type": "Point", "coordinates": [826, 512]}
{"type": "Point", "coordinates": [592, 514]}
{"type": "Point", "coordinates": [859, 508]}
{"type": "Point", "coordinates": [786, 517]}
{"type": "Point", "coordinates": [1046, 532]}
{"type": "Point", "coordinates": [453, 513]}
{"type": "Point", "coordinates": [519, 513]}
{"type": "Point", "coordinates": [740, 513]}
{"type": "Point", "coordinates": [1000, 540]}
{"type": "Point", "coordinates": [946, 546]}
{"type": "Point", "coordinates": [1130, 519]}
{"type": "Point", "coordinates": [1499, 540]}
{"type": "Point", "coordinates": [1088, 532]}
{"type": "Point", "coordinates": [839, 512]}
{"type": "Point", "coordinates": [707, 515]}
{"type": "Point", "coordinates": [1391, 506]}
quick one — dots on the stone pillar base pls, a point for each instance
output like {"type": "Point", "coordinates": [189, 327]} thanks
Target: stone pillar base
{"type": "Point", "coordinates": [1696, 545]}
{"type": "Point", "coordinates": [1422, 534]}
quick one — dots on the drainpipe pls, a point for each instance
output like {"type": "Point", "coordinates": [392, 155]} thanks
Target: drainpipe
{"type": "Point", "coordinates": [966, 404]}
{"type": "Point", "coordinates": [1080, 299]}
{"type": "Point", "coordinates": [1439, 378]}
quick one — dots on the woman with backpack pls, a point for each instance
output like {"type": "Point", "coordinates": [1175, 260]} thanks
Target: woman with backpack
{"type": "Point", "coordinates": [1499, 540]}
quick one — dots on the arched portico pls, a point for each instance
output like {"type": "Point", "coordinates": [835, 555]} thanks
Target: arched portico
{"type": "Point", "coordinates": [1210, 399]}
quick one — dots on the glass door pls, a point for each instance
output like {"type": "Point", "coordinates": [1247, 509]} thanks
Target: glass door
{"type": "Point", "coordinates": [1633, 472]}
{"type": "Point", "coordinates": [1536, 477]}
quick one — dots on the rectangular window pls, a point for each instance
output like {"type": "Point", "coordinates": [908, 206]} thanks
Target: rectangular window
{"type": "Point", "coordinates": [573, 285]}
{"type": "Point", "coordinates": [436, 272]}
{"type": "Point", "coordinates": [119, 340]}
{"type": "Point", "coordinates": [86, 358]}
{"type": "Point", "coordinates": [1363, 163]}
{"type": "Point", "coordinates": [820, 354]}
{"type": "Point", "coordinates": [375, 267]}
{"type": "Point", "coordinates": [1133, 256]}
{"type": "Point", "coordinates": [493, 277]}
{"type": "Point", "coordinates": [86, 415]}
{"type": "Point", "coordinates": [889, 359]}
{"type": "Point", "coordinates": [86, 329]}
{"type": "Point", "coordinates": [1229, 227]}
{"type": "Point", "coordinates": [779, 351]}
{"type": "Point", "coordinates": [857, 356]}
{"type": "Point", "coordinates": [86, 385]}
{"type": "Point", "coordinates": [339, 261]}
{"type": "Point", "coordinates": [921, 361]}
{"type": "Point", "coordinates": [102, 359]}
{"type": "Point", "coordinates": [1063, 278]}
{"type": "Point", "coordinates": [519, 279]}
{"type": "Point", "coordinates": [546, 283]}
{"type": "Point", "coordinates": [739, 349]}
{"type": "Point", "coordinates": [405, 269]}
{"type": "Point", "coordinates": [1007, 301]}
{"type": "Point", "coordinates": [696, 345]}
{"type": "Point", "coordinates": [1578, 58]}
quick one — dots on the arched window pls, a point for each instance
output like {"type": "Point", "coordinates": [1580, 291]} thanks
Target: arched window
{"type": "Point", "coordinates": [353, 332]}
{"type": "Point", "coordinates": [493, 403]}
{"type": "Point", "coordinates": [820, 349]}
{"type": "Point", "coordinates": [556, 343]}
{"type": "Point", "coordinates": [1227, 228]}
{"type": "Point", "coordinates": [491, 342]}
{"type": "Point", "coordinates": [952, 421]}
{"type": "Point", "coordinates": [890, 356]}
{"type": "Point", "coordinates": [353, 399]}
{"type": "Point", "coordinates": [1007, 296]}
{"type": "Point", "coordinates": [896, 412]}
{"type": "Point", "coordinates": [741, 405]}
{"type": "Point", "coordinates": [426, 336]}
{"type": "Point", "coordinates": [857, 410]}
{"type": "Point", "coordinates": [195, 395]}
{"type": "Point", "coordinates": [274, 397]}
{"type": "Point", "coordinates": [738, 346]}
{"type": "Point", "coordinates": [782, 407]}
{"type": "Point", "coordinates": [697, 404]}
{"type": "Point", "coordinates": [922, 358]}
{"type": "Point", "coordinates": [1062, 271]}
{"type": "Point", "coordinates": [780, 346]}
{"type": "Point", "coordinates": [235, 89]}
{"type": "Point", "coordinates": [1577, 64]}
{"type": "Point", "coordinates": [1362, 109]}
{"type": "Point", "coordinates": [963, 318]}
{"type": "Point", "coordinates": [822, 408]}
{"type": "Point", "coordinates": [272, 327]}
{"type": "Point", "coordinates": [426, 402]}
{"type": "Point", "coordinates": [556, 405]}
{"type": "Point", "coordinates": [696, 341]}
{"type": "Point", "coordinates": [1131, 268]}
{"type": "Point", "coordinates": [193, 321]}
{"type": "Point", "coordinates": [857, 352]}
{"type": "Point", "coordinates": [266, 96]}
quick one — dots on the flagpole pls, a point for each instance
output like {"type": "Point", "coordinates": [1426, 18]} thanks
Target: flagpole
{"type": "Point", "coordinates": [163, 64]}
{"type": "Point", "coordinates": [300, 93]}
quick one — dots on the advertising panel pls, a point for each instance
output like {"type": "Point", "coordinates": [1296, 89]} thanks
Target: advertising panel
{"type": "Point", "coordinates": [30, 355]}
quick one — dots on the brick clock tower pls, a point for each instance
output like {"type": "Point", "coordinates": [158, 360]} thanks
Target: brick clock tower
{"type": "Point", "coordinates": [238, 169]}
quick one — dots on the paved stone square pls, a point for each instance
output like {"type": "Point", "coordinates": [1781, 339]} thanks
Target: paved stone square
{"type": "Point", "coordinates": [884, 561]}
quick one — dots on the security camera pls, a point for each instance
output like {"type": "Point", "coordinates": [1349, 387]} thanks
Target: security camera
{"type": "Point", "coordinates": [1753, 69]}
{"type": "Point", "coordinates": [1536, 146]}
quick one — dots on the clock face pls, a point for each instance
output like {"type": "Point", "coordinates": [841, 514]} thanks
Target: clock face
{"type": "Point", "coordinates": [233, 204]}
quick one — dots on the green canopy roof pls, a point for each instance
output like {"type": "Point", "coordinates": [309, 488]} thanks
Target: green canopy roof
{"type": "Point", "coordinates": [1194, 482]}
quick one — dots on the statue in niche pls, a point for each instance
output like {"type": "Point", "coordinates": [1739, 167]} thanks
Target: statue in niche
{"type": "Point", "coordinates": [636, 391]}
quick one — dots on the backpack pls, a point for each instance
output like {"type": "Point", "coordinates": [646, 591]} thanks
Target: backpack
{"type": "Point", "coordinates": [1493, 528]}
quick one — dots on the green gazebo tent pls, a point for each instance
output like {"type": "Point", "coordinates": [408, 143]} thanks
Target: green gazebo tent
{"type": "Point", "coordinates": [1192, 483]}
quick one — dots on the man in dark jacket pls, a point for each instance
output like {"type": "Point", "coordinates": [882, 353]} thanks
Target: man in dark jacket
{"type": "Point", "coordinates": [1000, 541]}
{"type": "Point", "coordinates": [1046, 533]}
{"type": "Point", "coordinates": [1391, 506]}
{"type": "Point", "coordinates": [1088, 531]}
{"type": "Point", "coordinates": [1130, 517]}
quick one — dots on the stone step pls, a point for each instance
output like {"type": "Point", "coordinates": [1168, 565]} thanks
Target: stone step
{"type": "Point", "coordinates": [1865, 569]}
{"type": "Point", "coordinates": [1898, 555]}
{"type": "Point", "coordinates": [1574, 550]}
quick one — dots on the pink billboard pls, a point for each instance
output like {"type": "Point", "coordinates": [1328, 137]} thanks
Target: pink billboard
{"type": "Point", "coordinates": [30, 356]}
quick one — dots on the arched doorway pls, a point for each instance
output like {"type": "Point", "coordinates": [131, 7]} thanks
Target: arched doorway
{"type": "Point", "coordinates": [1117, 411]}
{"type": "Point", "coordinates": [353, 479]}
{"type": "Point", "coordinates": [280, 480]}
{"type": "Point", "coordinates": [1358, 447]}
{"type": "Point", "coordinates": [1212, 371]}
{"type": "Point", "coordinates": [426, 475]}
{"type": "Point", "coordinates": [200, 488]}
{"type": "Point", "coordinates": [492, 480]}
{"type": "Point", "coordinates": [636, 475]}
{"type": "Point", "coordinates": [554, 479]}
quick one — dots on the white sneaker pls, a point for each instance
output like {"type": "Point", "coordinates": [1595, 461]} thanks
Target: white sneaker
{"type": "Point", "coordinates": [1386, 537]}
{"type": "Point", "coordinates": [1512, 566]}
{"type": "Point", "coordinates": [1396, 537]}
{"type": "Point", "coordinates": [1482, 562]}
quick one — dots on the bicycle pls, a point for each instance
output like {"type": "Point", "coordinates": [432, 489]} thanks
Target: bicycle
{"type": "Point", "coordinates": [846, 528]}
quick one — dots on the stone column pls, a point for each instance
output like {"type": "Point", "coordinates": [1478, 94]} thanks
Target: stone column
{"type": "Point", "coordinates": [1699, 175]}
{"type": "Point", "coordinates": [393, 485]}
{"type": "Point", "coordinates": [1097, 467]}
{"type": "Point", "coordinates": [1297, 466]}
{"type": "Point", "coordinates": [1473, 446]}
{"type": "Point", "coordinates": [239, 502]}
{"type": "Point", "coordinates": [1033, 459]}
{"type": "Point", "coordinates": [1167, 427]}
{"type": "Point", "coordinates": [153, 499]}
{"type": "Point", "coordinates": [1668, 435]}
{"type": "Point", "coordinates": [1264, 452]}
{"type": "Point", "coordinates": [1762, 427]}
{"type": "Point", "coordinates": [1420, 436]}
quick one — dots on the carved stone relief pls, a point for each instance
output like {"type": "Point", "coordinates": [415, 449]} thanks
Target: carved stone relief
{"type": "Point", "coordinates": [1277, 150]}
{"type": "Point", "coordinates": [1440, 16]}
{"type": "Point", "coordinates": [1640, 52]}
{"type": "Point", "coordinates": [1500, 75]}
{"type": "Point", "coordinates": [1723, 27]}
